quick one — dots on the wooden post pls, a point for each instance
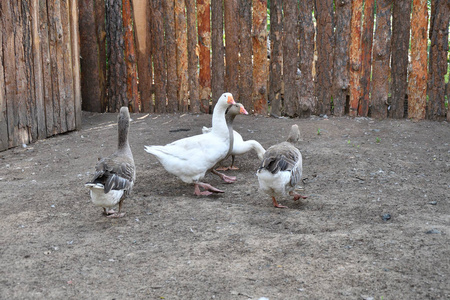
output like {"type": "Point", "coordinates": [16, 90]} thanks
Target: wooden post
{"type": "Point", "coordinates": [417, 81]}
{"type": "Point", "coordinates": [381, 57]}
{"type": "Point", "coordinates": [440, 14]}
{"type": "Point", "coordinates": [290, 58]}
{"type": "Point", "coordinates": [355, 57]}
{"type": "Point", "coordinates": [218, 66]}
{"type": "Point", "coordinates": [324, 66]}
{"type": "Point", "coordinates": [246, 51]}
{"type": "Point", "coordinates": [142, 25]}
{"type": "Point", "coordinates": [260, 65]}
{"type": "Point", "coordinates": [171, 56]}
{"type": "Point", "coordinates": [130, 57]}
{"type": "Point", "coordinates": [100, 26]}
{"type": "Point", "coordinates": [341, 81]}
{"type": "Point", "coordinates": [399, 60]}
{"type": "Point", "coordinates": [204, 45]}
{"type": "Point", "coordinates": [182, 55]}
{"type": "Point", "coordinates": [159, 56]}
{"type": "Point", "coordinates": [192, 56]}
{"type": "Point", "coordinates": [276, 57]}
{"type": "Point", "coordinates": [306, 33]}
{"type": "Point", "coordinates": [232, 47]}
{"type": "Point", "coordinates": [366, 62]}
{"type": "Point", "coordinates": [3, 112]}
{"type": "Point", "coordinates": [75, 42]}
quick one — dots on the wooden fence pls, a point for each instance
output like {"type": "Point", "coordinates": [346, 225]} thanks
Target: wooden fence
{"type": "Point", "coordinates": [293, 58]}
{"type": "Point", "coordinates": [39, 70]}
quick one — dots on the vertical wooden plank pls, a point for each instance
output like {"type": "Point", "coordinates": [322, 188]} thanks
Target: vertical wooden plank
{"type": "Point", "coordinates": [75, 42]}
{"type": "Point", "coordinates": [399, 60]}
{"type": "Point", "coordinates": [324, 66]}
{"type": "Point", "coordinates": [130, 57]}
{"type": "Point", "coordinates": [341, 80]}
{"type": "Point", "coordinates": [159, 59]}
{"type": "Point", "coordinates": [204, 43]}
{"type": "Point", "coordinates": [182, 56]}
{"type": "Point", "coordinates": [381, 57]}
{"type": "Point", "coordinates": [46, 68]}
{"type": "Point", "coordinates": [100, 25]}
{"type": "Point", "coordinates": [38, 74]}
{"type": "Point", "coordinates": [246, 51]}
{"type": "Point", "coordinates": [355, 57]}
{"type": "Point", "coordinates": [171, 56]}
{"type": "Point", "coordinates": [232, 47]}
{"type": "Point", "coordinates": [290, 52]}
{"type": "Point", "coordinates": [306, 53]}
{"type": "Point", "coordinates": [366, 62]}
{"type": "Point", "coordinates": [438, 59]}
{"type": "Point", "coordinates": [417, 81]}
{"type": "Point", "coordinates": [276, 57]}
{"type": "Point", "coordinates": [218, 65]}
{"type": "Point", "coordinates": [3, 112]}
{"type": "Point", "coordinates": [192, 56]}
{"type": "Point", "coordinates": [141, 13]}
{"type": "Point", "coordinates": [260, 64]}
{"type": "Point", "coordinates": [9, 65]}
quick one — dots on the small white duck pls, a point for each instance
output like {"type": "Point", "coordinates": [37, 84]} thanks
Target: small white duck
{"type": "Point", "coordinates": [190, 158]}
{"type": "Point", "coordinates": [239, 146]}
{"type": "Point", "coordinates": [114, 175]}
{"type": "Point", "coordinates": [281, 169]}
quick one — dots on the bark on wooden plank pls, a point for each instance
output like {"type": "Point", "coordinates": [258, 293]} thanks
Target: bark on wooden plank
{"type": "Point", "coordinates": [38, 75]}
{"type": "Point", "coordinates": [366, 61]}
{"type": "Point", "coordinates": [130, 56]}
{"type": "Point", "coordinates": [341, 80]}
{"type": "Point", "coordinates": [260, 64]}
{"type": "Point", "coordinates": [89, 60]}
{"type": "Point", "coordinates": [75, 42]}
{"type": "Point", "coordinates": [3, 112]}
{"type": "Point", "coordinates": [439, 29]}
{"type": "Point", "coordinates": [141, 13]}
{"type": "Point", "coordinates": [182, 55]}
{"type": "Point", "coordinates": [218, 65]}
{"type": "Point", "coordinates": [204, 44]}
{"type": "Point", "coordinates": [100, 15]}
{"type": "Point", "coordinates": [159, 53]}
{"type": "Point", "coordinates": [116, 65]}
{"type": "Point", "coordinates": [246, 51]}
{"type": "Point", "coordinates": [171, 56]}
{"type": "Point", "coordinates": [324, 42]}
{"type": "Point", "coordinates": [290, 59]}
{"type": "Point", "coordinates": [417, 79]}
{"type": "Point", "coordinates": [192, 56]}
{"type": "Point", "coordinates": [46, 67]}
{"type": "Point", "coordinates": [355, 57]}
{"type": "Point", "coordinates": [399, 59]}
{"type": "Point", "coordinates": [306, 53]}
{"type": "Point", "coordinates": [232, 48]}
{"type": "Point", "coordinates": [9, 65]}
{"type": "Point", "coordinates": [381, 57]}
{"type": "Point", "coordinates": [276, 57]}
{"type": "Point", "coordinates": [67, 66]}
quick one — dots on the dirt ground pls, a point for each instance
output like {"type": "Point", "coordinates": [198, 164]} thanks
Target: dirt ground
{"type": "Point", "coordinates": [55, 244]}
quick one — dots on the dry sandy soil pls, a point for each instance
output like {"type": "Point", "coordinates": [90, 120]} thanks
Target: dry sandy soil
{"type": "Point", "coordinates": [54, 244]}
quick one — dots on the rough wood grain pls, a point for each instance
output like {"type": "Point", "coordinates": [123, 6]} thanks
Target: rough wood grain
{"type": "Point", "coordinates": [232, 47]}
{"type": "Point", "coordinates": [417, 79]}
{"type": "Point", "coordinates": [130, 57]}
{"type": "Point", "coordinates": [3, 112]}
{"type": "Point", "coordinates": [260, 64]}
{"type": "Point", "coordinates": [217, 64]}
{"type": "Point", "coordinates": [276, 58]}
{"type": "Point", "coordinates": [192, 57]}
{"type": "Point", "coordinates": [75, 42]}
{"type": "Point", "coordinates": [381, 58]}
{"type": "Point", "coordinates": [159, 56]}
{"type": "Point", "coordinates": [204, 45]}
{"type": "Point", "coordinates": [246, 51]}
{"type": "Point", "coordinates": [171, 56]}
{"type": "Point", "coordinates": [355, 57]}
{"type": "Point", "coordinates": [399, 59]}
{"type": "Point", "coordinates": [100, 25]}
{"type": "Point", "coordinates": [182, 55]}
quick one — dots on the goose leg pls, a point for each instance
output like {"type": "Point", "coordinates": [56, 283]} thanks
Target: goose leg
{"type": "Point", "coordinates": [117, 214]}
{"type": "Point", "coordinates": [232, 167]}
{"type": "Point", "coordinates": [226, 178]}
{"type": "Point", "coordinates": [209, 189]}
{"type": "Point", "coordinates": [275, 203]}
{"type": "Point", "coordinates": [108, 212]}
{"type": "Point", "coordinates": [297, 196]}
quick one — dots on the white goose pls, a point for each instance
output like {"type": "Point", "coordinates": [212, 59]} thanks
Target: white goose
{"type": "Point", "coordinates": [239, 145]}
{"type": "Point", "coordinates": [281, 169]}
{"type": "Point", "coordinates": [190, 158]}
{"type": "Point", "coordinates": [114, 175]}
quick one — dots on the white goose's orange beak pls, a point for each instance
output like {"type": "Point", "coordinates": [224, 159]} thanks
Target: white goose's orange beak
{"type": "Point", "coordinates": [230, 100]}
{"type": "Point", "coordinates": [243, 111]}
